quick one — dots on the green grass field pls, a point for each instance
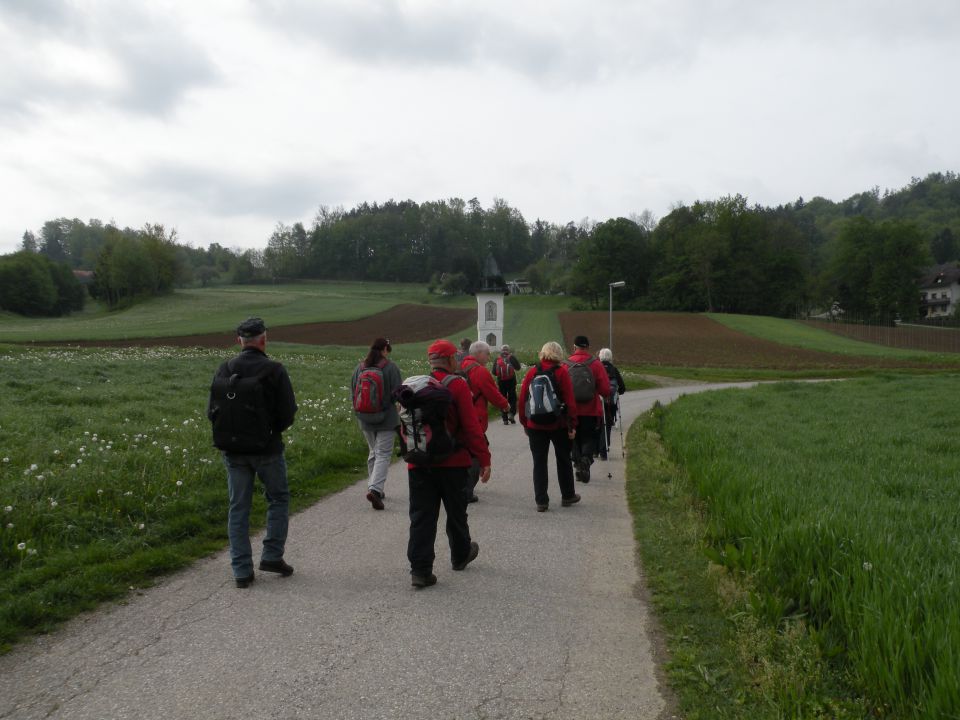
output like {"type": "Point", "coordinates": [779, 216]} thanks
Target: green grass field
{"type": "Point", "coordinates": [832, 509]}
{"type": "Point", "coordinates": [790, 332]}
{"type": "Point", "coordinates": [108, 478]}
{"type": "Point", "coordinates": [188, 312]}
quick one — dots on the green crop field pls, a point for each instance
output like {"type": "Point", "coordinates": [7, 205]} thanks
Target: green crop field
{"type": "Point", "coordinates": [835, 507]}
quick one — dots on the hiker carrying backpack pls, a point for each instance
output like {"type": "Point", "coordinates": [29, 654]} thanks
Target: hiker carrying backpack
{"type": "Point", "coordinates": [370, 399]}
{"type": "Point", "coordinates": [374, 381]}
{"type": "Point", "coordinates": [425, 435]}
{"type": "Point", "coordinates": [504, 369]}
{"type": "Point", "coordinates": [240, 408]}
{"type": "Point", "coordinates": [548, 413]}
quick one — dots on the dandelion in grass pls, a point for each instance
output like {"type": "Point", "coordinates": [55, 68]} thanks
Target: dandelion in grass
{"type": "Point", "coordinates": [868, 566]}
{"type": "Point", "coordinates": [141, 526]}
{"type": "Point", "coordinates": [8, 508]}
{"type": "Point", "coordinates": [32, 551]}
{"type": "Point", "coordinates": [99, 491]}
{"type": "Point", "coordinates": [53, 503]}
{"type": "Point", "coordinates": [179, 483]}
{"type": "Point", "coordinates": [6, 459]}
{"type": "Point", "coordinates": [9, 526]}
{"type": "Point", "coordinates": [21, 546]}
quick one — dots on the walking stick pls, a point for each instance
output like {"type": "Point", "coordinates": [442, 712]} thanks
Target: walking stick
{"type": "Point", "coordinates": [623, 453]}
{"type": "Point", "coordinates": [606, 442]}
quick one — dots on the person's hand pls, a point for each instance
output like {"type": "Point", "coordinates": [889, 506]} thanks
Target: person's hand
{"type": "Point", "coordinates": [485, 474]}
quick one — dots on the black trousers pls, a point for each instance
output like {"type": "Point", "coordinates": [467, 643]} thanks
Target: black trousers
{"type": "Point", "coordinates": [587, 441]}
{"type": "Point", "coordinates": [540, 449]}
{"type": "Point", "coordinates": [508, 388]}
{"type": "Point", "coordinates": [428, 488]}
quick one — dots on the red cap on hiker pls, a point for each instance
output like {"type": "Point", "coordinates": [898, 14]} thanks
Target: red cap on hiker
{"type": "Point", "coordinates": [441, 349]}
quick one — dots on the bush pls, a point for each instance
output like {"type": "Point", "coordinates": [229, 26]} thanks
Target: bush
{"type": "Point", "coordinates": [32, 284]}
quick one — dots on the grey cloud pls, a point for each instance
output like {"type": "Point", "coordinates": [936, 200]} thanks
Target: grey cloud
{"type": "Point", "coordinates": [49, 13]}
{"type": "Point", "coordinates": [381, 32]}
{"type": "Point", "coordinates": [158, 63]}
{"type": "Point", "coordinates": [287, 197]}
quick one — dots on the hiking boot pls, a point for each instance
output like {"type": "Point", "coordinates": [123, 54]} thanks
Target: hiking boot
{"type": "Point", "coordinates": [375, 498]}
{"type": "Point", "coordinates": [474, 551]}
{"type": "Point", "coordinates": [542, 508]}
{"type": "Point", "coordinates": [276, 566]}
{"type": "Point", "coordinates": [245, 582]}
{"type": "Point", "coordinates": [472, 499]}
{"type": "Point", "coordinates": [572, 500]}
{"type": "Point", "coordinates": [422, 581]}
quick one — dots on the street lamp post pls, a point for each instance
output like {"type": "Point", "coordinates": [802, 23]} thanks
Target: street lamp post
{"type": "Point", "coordinates": [618, 284]}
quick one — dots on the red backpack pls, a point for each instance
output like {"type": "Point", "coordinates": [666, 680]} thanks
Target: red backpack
{"type": "Point", "coordinates": [368, 400]}
{"type": "Point", "coordinates": [505, 371]}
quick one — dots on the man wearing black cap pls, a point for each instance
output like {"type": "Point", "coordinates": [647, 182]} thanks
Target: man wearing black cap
{"type": "Point", "coordinates": [251, 404]}
{"type": "Point", "coordinates": [590, 383]}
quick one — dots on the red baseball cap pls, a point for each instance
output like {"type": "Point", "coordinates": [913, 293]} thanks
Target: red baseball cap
{"type": "Point", "coordinates": [441, 349]}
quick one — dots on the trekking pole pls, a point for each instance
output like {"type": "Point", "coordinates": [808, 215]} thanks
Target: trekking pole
{"type": "Point", "coordinates": [606, 442]}
{"type": "Point", "coordinates": [623, 453]}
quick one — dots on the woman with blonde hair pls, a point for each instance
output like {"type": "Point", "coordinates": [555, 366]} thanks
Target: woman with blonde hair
{"type": "Point", "coordinates": [548, 414]}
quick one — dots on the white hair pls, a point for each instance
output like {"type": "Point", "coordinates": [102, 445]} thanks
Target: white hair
{"type": "Point", "coordinates": [479, 346]}
{"type": "Point", "coordinates": [605, 354]}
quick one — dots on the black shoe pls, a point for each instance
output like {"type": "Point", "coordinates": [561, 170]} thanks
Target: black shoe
{"type": "Point", "coordinates": [472, 499]}
{"type": "Point", "coordinates": [276, 566]}
{"type": "Point", "coordinates": [375, 498]}
{"type": "Point", "coordinates": [474, 551]}
{"type": "Point", "coordinates": [572, 500]}
{"type": "Point", "coordinates": [603, 456]}
{"type": "Point", "coordinates": [422, 581]}
{"type": "Point", "coordinates": [542, 508]}
{"type": "Point", "coordinates": [245, 582]}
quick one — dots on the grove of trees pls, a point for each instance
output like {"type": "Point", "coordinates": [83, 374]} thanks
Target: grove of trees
{"type": "Point", "coordinates": [864, 253]}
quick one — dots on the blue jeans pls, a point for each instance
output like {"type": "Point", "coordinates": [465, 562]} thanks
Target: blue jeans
{"type": "Point", "coordinates": [272, 470]}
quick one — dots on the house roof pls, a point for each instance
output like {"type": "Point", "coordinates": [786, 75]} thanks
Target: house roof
{"type": "Point", "coordinates": [940, 276]}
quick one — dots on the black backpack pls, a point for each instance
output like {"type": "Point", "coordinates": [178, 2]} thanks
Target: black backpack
{"type": "Point", "coordinates": [424, 402]}
{"type": "Point", "coordinates": [582, 379]}
{"type": "Point", "coordinates": [242, 421]}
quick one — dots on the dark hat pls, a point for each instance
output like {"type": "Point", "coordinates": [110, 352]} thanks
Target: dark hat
{"type": "Point", "coordinates": [251, 328]}
{"type": "Point", "coordinates": [581, 341]}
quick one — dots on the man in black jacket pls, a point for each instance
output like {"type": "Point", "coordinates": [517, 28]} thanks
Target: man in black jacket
{"type": "Point", "coordinates": [252, 445]}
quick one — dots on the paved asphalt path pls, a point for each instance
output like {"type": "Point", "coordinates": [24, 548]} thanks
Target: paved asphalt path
{"type": "Point", "coordinates": [546, 623]}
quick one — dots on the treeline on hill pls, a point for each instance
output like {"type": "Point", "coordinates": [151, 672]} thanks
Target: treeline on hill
{"type": "Point", "coordinates": [864, 253]}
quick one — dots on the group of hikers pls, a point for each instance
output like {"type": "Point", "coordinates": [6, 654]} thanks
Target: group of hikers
{"type": "Point", "coordinates": [440, 421]}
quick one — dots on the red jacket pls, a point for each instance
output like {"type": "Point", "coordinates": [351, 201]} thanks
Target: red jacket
{"type": "Point", "coordinates": [564, 389]}
{"type": "Point", "coordinates": [470, 440]}
{"type": "Point", "coordinates": [484, 390]}
{"type": "Point", "coordinates": [593, 407]}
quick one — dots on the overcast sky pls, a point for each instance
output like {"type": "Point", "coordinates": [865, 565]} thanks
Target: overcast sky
{"type": "Point", "coordinates": [222, 117]}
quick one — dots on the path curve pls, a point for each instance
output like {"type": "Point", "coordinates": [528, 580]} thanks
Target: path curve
{"type": "Point", "coordinates": [548, 622]}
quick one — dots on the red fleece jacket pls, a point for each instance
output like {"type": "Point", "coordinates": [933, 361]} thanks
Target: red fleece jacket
{"type": "Point", "coordinates": [484, 390]}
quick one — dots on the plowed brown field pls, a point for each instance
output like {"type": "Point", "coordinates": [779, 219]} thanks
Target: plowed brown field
{"type": "Point", "coordinates": [684, 340]}
{"type": "Point", "coordinates": [401, 324]}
